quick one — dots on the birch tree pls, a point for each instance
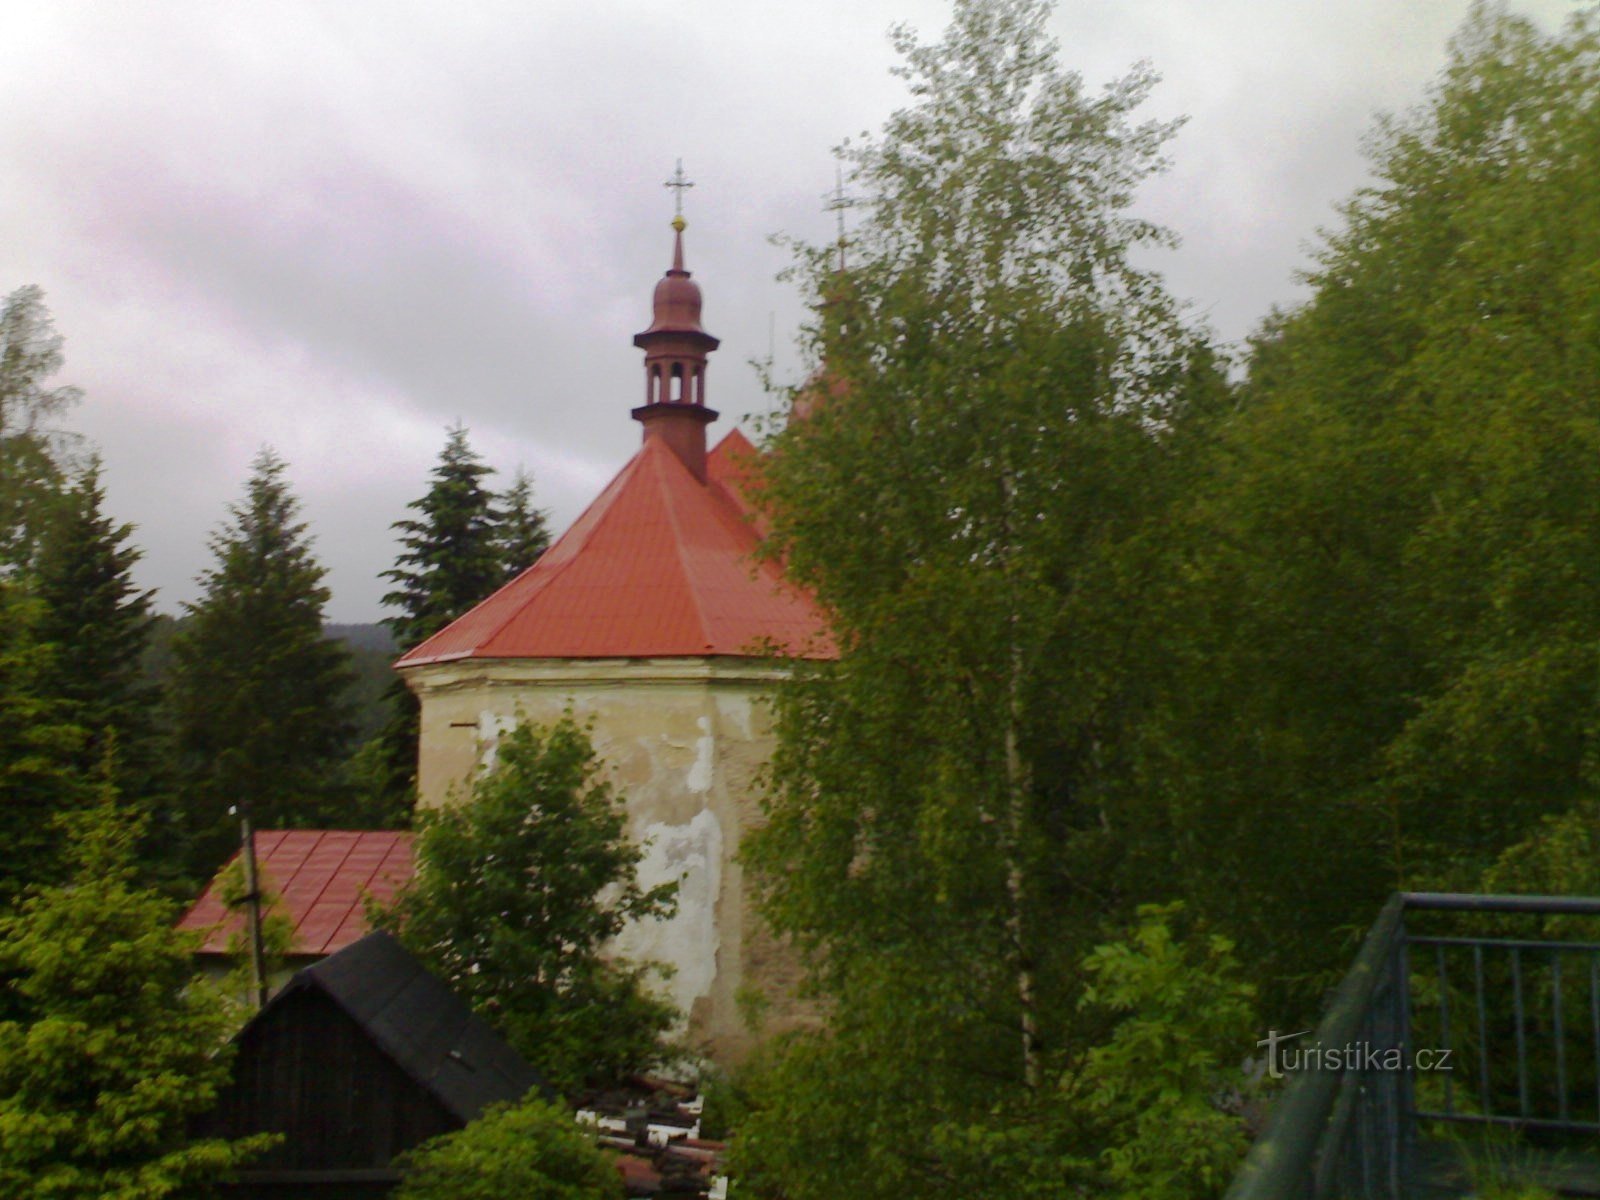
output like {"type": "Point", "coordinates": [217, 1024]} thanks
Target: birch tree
{"type": "Point", "coordinates": [983, 446]}
{"type": "Point", "coordinates": [35, 452]}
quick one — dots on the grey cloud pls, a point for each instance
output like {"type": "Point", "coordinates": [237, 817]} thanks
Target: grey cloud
{"type": "Point", "coordinates": [339, 228]}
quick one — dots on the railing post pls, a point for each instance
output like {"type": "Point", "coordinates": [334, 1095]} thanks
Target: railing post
{"type": "Point", "coordinates": [1404, 1085]}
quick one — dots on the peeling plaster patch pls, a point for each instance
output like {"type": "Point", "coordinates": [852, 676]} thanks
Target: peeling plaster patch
{"type": "Point", "coordinates": [699, 781]}
{"type": "Point", "coordinates": [688, 941]}
{"type": "Point", "coordinates": [492, 726]}
{"type": "Point", "coordinates": [735, 708]}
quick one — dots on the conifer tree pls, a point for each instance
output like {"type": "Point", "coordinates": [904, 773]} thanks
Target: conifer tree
{"type": "Point", "coordinates": [450, 559]}
{"type": "Point", "coordinates": [98, 622]}
{"type": "Point", "coordinates": [38, 749]}
{"type": "Point", "coordinates": [523, 533]}
{"type": "Point", "coordinates": [257, 692]}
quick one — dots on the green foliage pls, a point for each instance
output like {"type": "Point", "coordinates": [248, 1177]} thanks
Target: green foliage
{"type": "Point", "coordinates": [977, 504]}
{"type": "Point", "coordinates": [726, 1100]}
{"type": "Point", "coordinates": [1142, 1111]}
{"type": "Point", "coordinates": [38, 750]}
{"type": "Point", "coordinates": [842, 1112]}
{"type": "Point", "coordinates": [111, 1046]}
{"type": "Point", "coordinates": [1503, 556]}
{"type": "Point", "coordinates": [524, 531]}
{"type": "Point", "coordinates": [532, 1150]}
{"type": "Point", "coordinates": [33, 460]}
{"type": "Point", "coordinates": [520, 887]}
{"type": "Point", "coordinates": [1559, 858]}
{"type": "Point", "coordinates": [379, 783]}
{"type": "Point", "coordinates": [257, 693]}
{"type": "Point", "coordinates": [450, 559]}
{"type": "Point", "coordinates": [277, 938]}
{"type": "Point", "coordinates": [1185, 1022]}
{"type": "Point", "coordinates": [460, 547]}
{"type": "Point", "coordinates": [1383, 621]}
{"type": "Point", "coordinates": [1502, 1167]}
{"type": "Point", "coordinates": [98, 622]}
{"type": "Point", "coordinates": [372, 655]}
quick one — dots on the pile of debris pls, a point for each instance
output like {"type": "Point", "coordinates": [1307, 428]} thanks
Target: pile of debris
{"type": "Point", "coordinates": [653, 1126]}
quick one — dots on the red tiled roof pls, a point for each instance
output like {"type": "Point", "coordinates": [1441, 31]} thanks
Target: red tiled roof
{"type": "Point", "coordinates": [729, 466]}
{"type": "Point", "coordinates": [659, 566]}
{"type": "Point", "coordinates": [319, 877]}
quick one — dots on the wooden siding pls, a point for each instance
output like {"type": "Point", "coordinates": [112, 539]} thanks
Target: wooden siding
{"type": "Point", "coordinates": [307, 1070]}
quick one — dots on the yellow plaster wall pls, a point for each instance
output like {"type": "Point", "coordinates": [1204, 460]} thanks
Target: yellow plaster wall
{"type": "Point", "coordinates": [683, 740]}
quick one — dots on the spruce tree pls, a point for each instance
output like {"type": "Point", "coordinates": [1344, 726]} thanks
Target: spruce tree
{"type": "Point", "coordinates": [524, 531]}
{"type": "Point", "coordinates": [38, 748]}
{"type": "Point", "coordinates": [99, 623]}
{"type": "Point", "coordinates": [450, 559]}
{"type": "Point", "coordinates": [260, 713]}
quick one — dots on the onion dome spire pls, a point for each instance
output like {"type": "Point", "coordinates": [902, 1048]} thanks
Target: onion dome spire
{"type": "Point", "coordinates": [675, 348]}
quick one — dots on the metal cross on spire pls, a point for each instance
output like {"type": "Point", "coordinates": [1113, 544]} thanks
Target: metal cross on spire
{"type": "Point", "coordinates": [678, 183]}
{"type": "Point", "coordinates": [838, 201]}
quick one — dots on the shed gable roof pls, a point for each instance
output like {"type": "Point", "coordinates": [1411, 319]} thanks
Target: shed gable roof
{"type": "Point", "coordinates": [424, 1027]}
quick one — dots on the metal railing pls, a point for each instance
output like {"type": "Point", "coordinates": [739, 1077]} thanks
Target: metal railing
{"type": "Point", "coordinates": [1508, 1028]}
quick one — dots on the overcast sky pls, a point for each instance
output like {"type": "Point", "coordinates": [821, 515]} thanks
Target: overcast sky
{"type": "Point", "coordinates": [337, 228]}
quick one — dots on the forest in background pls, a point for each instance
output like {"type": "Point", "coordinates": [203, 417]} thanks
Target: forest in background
{"type": "Point", "coordinates": [372, 653]}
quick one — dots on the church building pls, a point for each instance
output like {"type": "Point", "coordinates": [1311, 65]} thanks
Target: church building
{"type": "Point", "coordinates": [651, 618]}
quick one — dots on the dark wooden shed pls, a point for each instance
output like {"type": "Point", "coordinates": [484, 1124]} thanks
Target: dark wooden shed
{"type": "Point", "coordinates": [358, 1059]}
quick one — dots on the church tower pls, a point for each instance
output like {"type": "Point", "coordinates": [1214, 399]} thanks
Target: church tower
{"type": "Point", "coordinates": [649, 617]}
{"type": "Point", "coordinates": [675, 349]}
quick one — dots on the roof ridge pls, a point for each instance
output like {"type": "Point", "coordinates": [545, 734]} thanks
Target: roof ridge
{"type": "Point", "coordinates": [733, 432]}
{"type": "Point", "coordinates": [671, 510]}
{"type": "Point", "coordinates": [455, 1016]}
{"type": "Point", "coordinates": [384, 1038]}
{"type": "Point", "coordinates": [741, 521]}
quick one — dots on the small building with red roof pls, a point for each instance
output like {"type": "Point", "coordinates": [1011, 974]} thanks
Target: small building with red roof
{"type": "Point", "coordinates": [318, 880]}
{"type": "Point", "coordinates": [652, 618]}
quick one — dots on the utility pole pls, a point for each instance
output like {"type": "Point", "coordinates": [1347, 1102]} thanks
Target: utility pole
{"type": "Point", "coordinates": [252, 911]}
